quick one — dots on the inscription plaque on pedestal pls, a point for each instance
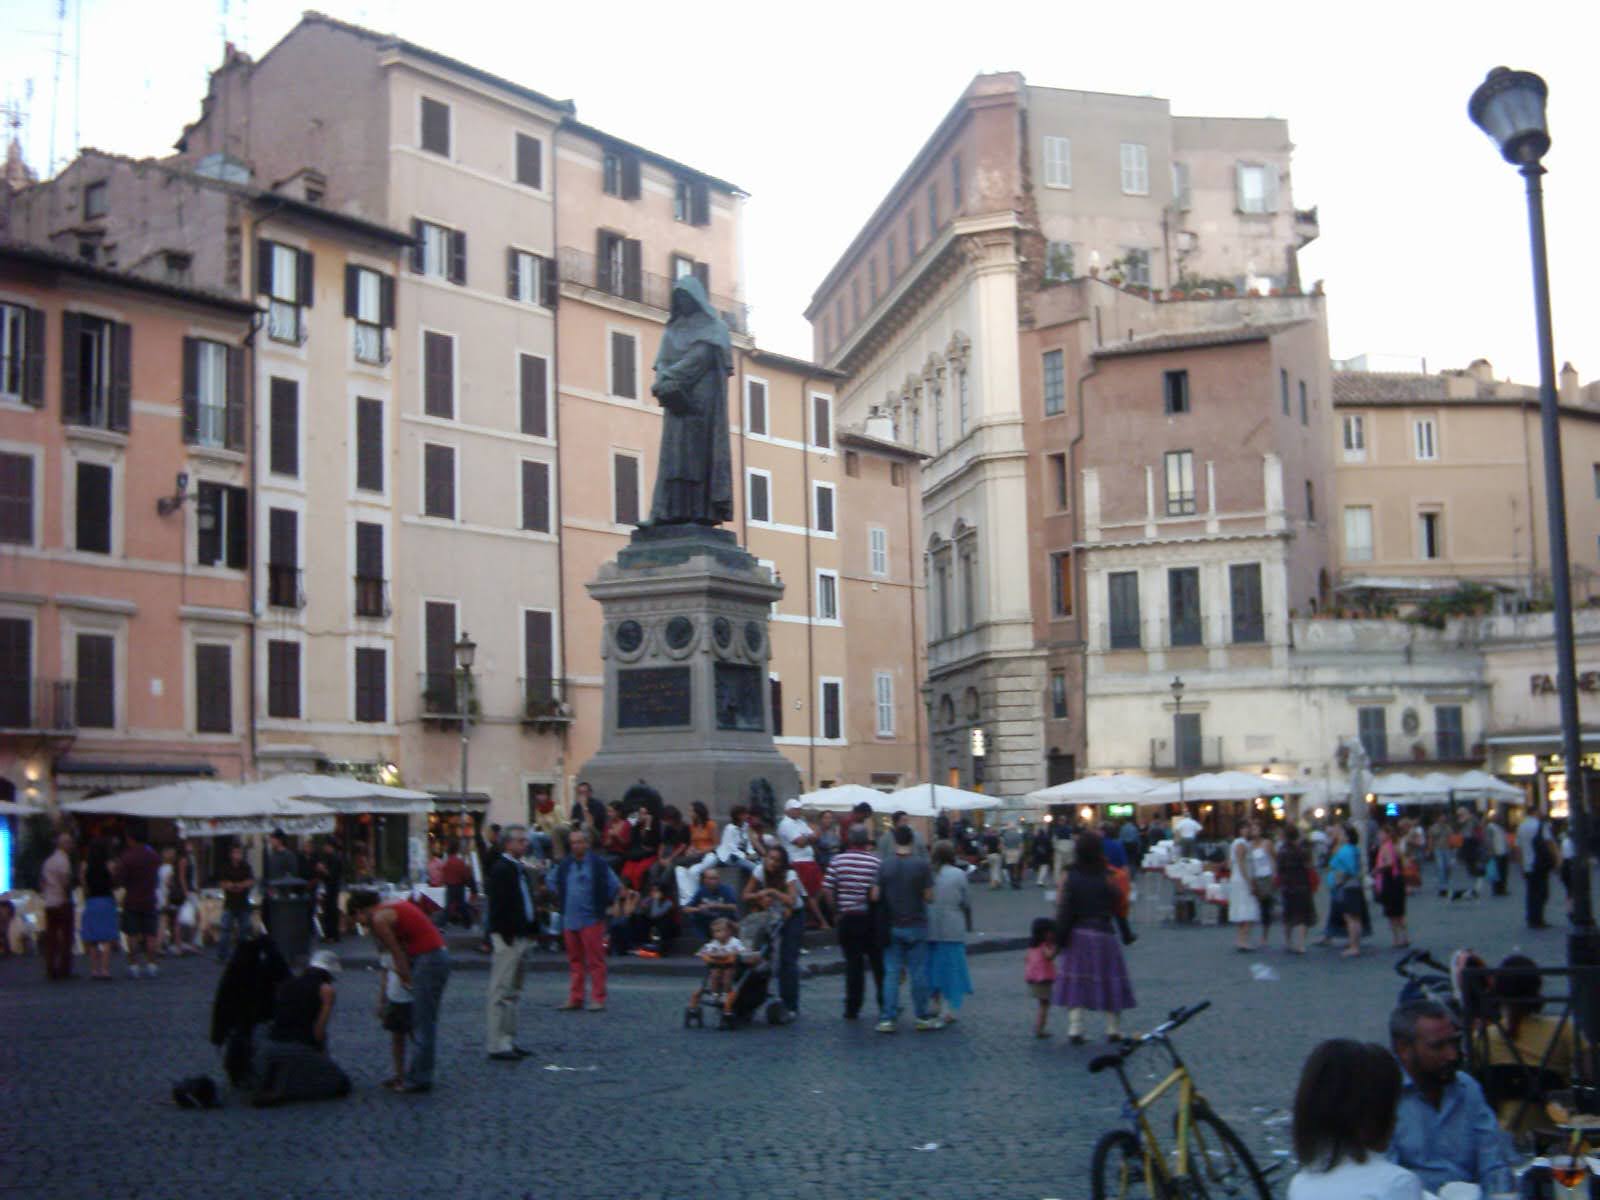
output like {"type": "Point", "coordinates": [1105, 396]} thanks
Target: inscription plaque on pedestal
{"type": "Point", "coordinates": [653, 697]}
{"type": "Point", "coordinates": [739, 697]}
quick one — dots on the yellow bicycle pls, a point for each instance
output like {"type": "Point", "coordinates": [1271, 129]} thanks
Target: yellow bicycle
{"type": "Point", "coordinates": [1208, 1160]}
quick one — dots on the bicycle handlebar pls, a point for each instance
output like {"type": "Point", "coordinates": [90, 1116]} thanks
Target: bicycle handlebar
{"type": "Point", "coordinates": [1421, 957]}
{"type": "Point", "coordinates": [1175, 1018]}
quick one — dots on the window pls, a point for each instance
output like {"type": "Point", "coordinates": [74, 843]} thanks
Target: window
{"type": "Point", "coordinates": [1186, 740]}
{"type": "Point", "coordinates": [536, 496]}
{"type": "Point", "coordinates": [624, 365]}
{"type": "Point", "coordinates": [1182, 197]}
{"type": "Point", "coordinates": [1358, 534]}
{"type": "Point", "coordinates": [435, 136]}
{"type": "Point", "coordinates": [283, 679]}
{"type": "Point", "coordinates": [890, 258]}
{"type": "Point", "coordinates": [933, 210]}
{"type": "Point", "coordinates": [21, 355]}
{"type": "Point", "coordinates": [827, 596]}
{"type": "Point", "coordinates": [285, 277]}
{"type": "Point", "coordinates": [1311, 503]}
{"type": "Point", "coordinates": [283, 558]}
{"type": "Point", "coordinates": [625, 489]}
{"type": "Point", "coordinates": [1180, 483]}
{"type": "Point", "coordinates": [911, 234]}
{"type": "Point", "coordinates": [1283, 390]}
{"type": "Point", "coordinates": [832, 708]}
{"type": "Point", "coordinates": [1304, 407]}
{"type": "Point", "coordinates": [283, 452]}
{"type": "Point", "coordinates": [213, 394]}
{"type": "Point", "coordinates": [1061, 583]}
{"type": "Point", "coordinates": [758, 496]}
{"type": "Point", "coordinates": [755, 407]}
{"type": "Point", "coordinates": [1430, 534]}
{"type": "Point", "coordinates": [1175, 390]}
{"type": "Point", "coordinates": [963, 398]}
{"type": "Point", "coordinates": [1447, 728]}
{"type": "Point", "coordinates": [1122, 594]}
{"type": "Point", "coordinates": [855, 300]}
{"type": "Point", "coordinates": [1424, 439]}
{"type": "Point", "coordinates": [369, 444]}
{"type": "Point", "coordinates": [222, 526]}
{"type": "Point", "coordinates": [370, 599]}
{"type": "Point", "coordinates": [533, 381]}
{"type": "Point", "coordinates": [1058, 695]}
{"type": "Point", "coordinates": [619, 265]}
{"type": "Point", "coordinates": [16, 678]}
{"type": "Point", "coordinates": [1060, 495]}
{"type": "Point", "coordinates": [96, 372]}
{"type": "Point", "coordinates": [439, 657]}
{"type": "Point", "coordinates": [16, 498]}
{"type": "Point", "coordinates": [691, 202]}
{"type": "Point", "coordinates": [775, 703]}
{"type": "Point", "coordinates": [822, 422]}
{"type": "Point", "coordinates": [955, 183]}
{"type": "Point", "coordinates": [852, 464]}
{"type": "Point", "coordinates": [439, 481]}
{"type": "Point", "coordinates": [1257, 188]}
{"type": "Point", "coordinates": [530, 161]}
{"type": "Point", "coordinates": [1058, 162]}
{"type": "Point", "coordinates": [680, 200]}
{"type": "Point", "coordinates": [822, 499]}
{"type": "Point", "coordinates": [872, 280]}
{"type": "Point", "coordinates": [682, 265]}
{"type": "Point", "coordinates": [620, 174]}
{"type": "Point", "coordinates": [1183, 605]}
{"type": "Point", "coordinates": [936, 413]}
{"type": "Point", "coordinates": [1135, 169]}
{"type": "Point", "coordinates": [1244, 591]}
{"type": "Point", "coordinates": [372, 684]}
{"type": "Point", "coordinates": [1372, 728]}
{"type": "Point", "coordinates": [883, 693]}
{"type": "Point", "coordinates": [438, 374]}
{"type": "Point", "coordinates": [438, 251]}
{"type": "Point", "coordinates": [93, 508]}
{"type": "Point", "coordinates": [1355, 444]}
{"type": "Point", "coordinates": [969, 587]}
{"type": "Point", "coordinates": [1136, 265]}
{"type": "Point", "coordinates": [877, 550]}
{"type": "Point", "coordinates": [838, 312]}
{"type": "Point", "coordinates": [530, 278]}
{"type": "Point", "coordinates": [213, 688]}
{"type": "Point", "coordinates": [1059, 262]}
{"type": "Point", "coordinates": [1055, 383]}
{"type": "Point", "coordinates": [95, 689]}
{"type": "Point", "coordinates": [369, 302]}
{"type": "Point", "coordinates": [1597, 481]}
{"type": "Point", "coordinates": [538, 662]}
{"type": "Point", "coordinates": [96, 201]}
{"type": "Point", "coordinates": [939, 619]}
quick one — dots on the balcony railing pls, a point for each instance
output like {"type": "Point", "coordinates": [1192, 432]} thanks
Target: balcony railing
{"type": "Point", "coordinates": [1424, 746]}
{"type": "Point", "coordinates": [544, 702]}
{"type": "Point", "coordinates": [372, 597]}
{"type": "Point", "coordinates": [1200, 754]}
{"type": "Point", "coordinates": [586, 270]}
{"type": "Point", "coordinates": [286, 322]}
{"type": "Point", "coordinates": [283, 586]}
{"type": "Point", "coordinates": [371, 346]}
{"type": "Point", "coordinates": [37, 705]}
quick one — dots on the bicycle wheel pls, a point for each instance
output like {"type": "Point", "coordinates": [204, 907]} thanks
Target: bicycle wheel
{"type": "Point", "coordinates": [1118, 1169]}
{"type": "Point", "coordinates": [1219, 1164]}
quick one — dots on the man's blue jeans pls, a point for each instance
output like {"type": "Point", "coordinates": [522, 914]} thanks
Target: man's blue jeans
{"type": "Point", "coordinates": [908, 948]}
{"type": "Point", "coordinates": [233, 928]}
{"type": "Point", "coordinates": [429, 973]}
{"type": "Point", "coordinates": [1443, 860]}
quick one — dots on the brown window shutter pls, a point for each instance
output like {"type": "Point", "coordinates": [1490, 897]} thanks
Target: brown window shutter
{"type": "Point", "coordinates": [191, 390]}
{"type": "Point", "coordinates": [438, 375]}
{"type": "Point", "coordinates": [121, 375]}
{"type": "Point", "coordinates": [626, 498]}
{"type": "Point", "coordinates": [237, 501]}
{"type": "Point", "coordinates": [439, 637]}
{"type": "Point", "coordinates": [235, 402]}
{"type": "Point", "coordinates": [33, 371]}
{"type": "Point", "coordinates": [439, 487]}
{"type": "Point", "coordinates": [305, 280]}
{"type": "Point", "coordinates": [548, 284]}
{"type": "Point", "coordinates": [369, 444]}
{"type": "Point", "coordinates": [352, 290]}
{"type": "Point", "coordinates": [632, 270]}
{"type": "Point", "coordinates": [263, 267]}
{"type": "Point", "coordinates": [436, 126]}
{"type": "Point", "coordinates": [71, 337]}
{"type": "Point", "coordinates": [529, 165]}
{"type": "Point", "coordinates": [702, 272]}
{"type": "Point", "coordinates": [283, 538]}
{"type": "Point", "coordinates": [458, 257]}
{"type": "Point", "coordinates": [369, 550]}
{"type": "Point", "coordinates": [535, 396]}
{"type": "Point", "coordinates": [538, 653]}
{"type": "Point", "coordinates": [602, 265]}
{"type": "Point", "coordinates": [418, 258]}
{"type": "Point", "coordinates": [208, 522]}
{"type": "Point", "coordinates": [511, 272]}
{"type": "Point", "coordinates": [284, 420]}
{"type": "Point", "coordinates": [536, 496]}
{"type": "Point", "coordinates": [386, 301]}
{"type": "Point", "coordinates": [630, 175]}
{"type": "Point", "coordinates": [699, 203]}
{"type": "Point", "coordinates": [623, 382]}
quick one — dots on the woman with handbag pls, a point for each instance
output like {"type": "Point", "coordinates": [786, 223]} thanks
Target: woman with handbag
{"type": "Point", "coordinates": [183, 895]}
{"type": "Point", "coordinates": [1244, 910]}
{"type": "Point", "coordinates": [1264, 877]}
{"type": "Point", "coordinates": [1297, 884]}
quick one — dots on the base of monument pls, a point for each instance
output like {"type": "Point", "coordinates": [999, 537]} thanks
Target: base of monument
{"type": "Point", "coordinates": [719, 779]}
{"type": "Point", "coordinates": [670, 545]}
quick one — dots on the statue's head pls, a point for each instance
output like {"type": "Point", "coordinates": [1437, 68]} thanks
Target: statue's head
{"type": "Point", "coordinates": [689, 298]}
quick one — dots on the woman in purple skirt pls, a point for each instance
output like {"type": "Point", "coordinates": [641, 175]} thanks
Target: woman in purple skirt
{"type": "Point", "coordinates": [1090, 973]}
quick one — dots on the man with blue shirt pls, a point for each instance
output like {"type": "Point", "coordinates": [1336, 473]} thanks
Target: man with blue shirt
{"type": "Point", "coordinates": [585, 885]}
{"type": "Point", "coordinates": [1445, 1130]}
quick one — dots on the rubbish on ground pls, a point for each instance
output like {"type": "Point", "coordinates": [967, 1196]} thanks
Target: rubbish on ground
{"type": "Point", "coordinates": [554, 1067]}
{"type": "Point", "coordinates": [927, 1146]}
{"type": "Point", "coordinates": [1262, 973]}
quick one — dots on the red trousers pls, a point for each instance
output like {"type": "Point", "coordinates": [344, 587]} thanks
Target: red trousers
{"type": "Point", "coordinates": [57, 946]}
{"type": "Point", "coordinates": [586, 956]}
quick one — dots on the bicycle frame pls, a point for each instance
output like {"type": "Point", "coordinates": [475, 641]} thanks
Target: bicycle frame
{"type": "Point", "coordinates": [1137, 1107]}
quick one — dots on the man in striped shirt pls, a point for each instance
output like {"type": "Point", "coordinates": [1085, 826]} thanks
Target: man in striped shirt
{"type": "Point", "coordinates": [852, 886]}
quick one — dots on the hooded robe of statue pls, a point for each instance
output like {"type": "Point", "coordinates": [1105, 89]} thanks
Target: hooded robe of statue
{"type": "Point", "coordinates": [694, 477]}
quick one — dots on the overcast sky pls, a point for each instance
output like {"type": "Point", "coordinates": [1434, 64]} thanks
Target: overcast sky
{"type": "Point", "coordinates": [815, 109]}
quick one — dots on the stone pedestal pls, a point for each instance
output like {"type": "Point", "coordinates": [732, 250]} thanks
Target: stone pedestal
{"type": "Point", "coordinates": [687, 698]}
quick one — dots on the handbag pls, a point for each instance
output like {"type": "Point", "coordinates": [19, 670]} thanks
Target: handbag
{"type": "Point", "coordinates": [188, 912]}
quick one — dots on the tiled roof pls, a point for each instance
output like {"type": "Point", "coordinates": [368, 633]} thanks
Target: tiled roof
{"type": "Point", "coordinates": [1162, 342]}
{"type": "Point", "coordinates": [1374, 389]}
{"type": "Point", "coordinates": [45, 257]}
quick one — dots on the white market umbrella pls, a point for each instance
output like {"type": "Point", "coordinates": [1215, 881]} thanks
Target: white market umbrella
{"type": "Point", "coordinates": [930, 799]}
{"type": "Point", "coordinates": [1094, 789]}
{"type": "Point", "coordinates": [8, 809]}
{"type": "Point", "coordinates": [845, 797]}
{"type": "Point", "coordinates": [1224, 785]}
{"type": "Point", "coordinates": [1480, 785]}
{"type": "Point", "coordinates": [1399, 788]}
{"type": "Point", "coordinates": [343, 793]}
{"type": "Point", "coordinates": [208, 807]}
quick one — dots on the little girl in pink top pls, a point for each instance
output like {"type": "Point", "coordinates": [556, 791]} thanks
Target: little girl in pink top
{"type": "Point", "coordinates": [1039, 969]}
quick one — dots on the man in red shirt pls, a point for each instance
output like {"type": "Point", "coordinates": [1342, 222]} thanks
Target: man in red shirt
{"type": "Point", "coordinates": [421, 962]}
{"type": "Point", "coordinates": [137, 870]}
{"type": "Point", "coordinates": [457, 879]}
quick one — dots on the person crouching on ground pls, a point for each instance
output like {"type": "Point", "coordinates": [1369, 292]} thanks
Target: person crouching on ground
{"type": "Point", "coordinates": [293, 1062]}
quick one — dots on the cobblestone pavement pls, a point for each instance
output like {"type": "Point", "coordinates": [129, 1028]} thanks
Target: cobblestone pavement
{"type": "Point", "coordinates": [631, 1104]}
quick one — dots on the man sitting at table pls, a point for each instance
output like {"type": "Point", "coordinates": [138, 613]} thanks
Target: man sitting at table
{"type": "Point", "coordinates": [1445, 1130]}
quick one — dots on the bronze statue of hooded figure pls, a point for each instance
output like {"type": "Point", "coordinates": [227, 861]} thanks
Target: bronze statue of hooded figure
{"type": "Point", "coordinates": [694, 477]}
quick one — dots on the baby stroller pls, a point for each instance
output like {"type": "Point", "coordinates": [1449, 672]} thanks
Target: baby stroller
{"type": "Point", "coordinates": [752, 981]}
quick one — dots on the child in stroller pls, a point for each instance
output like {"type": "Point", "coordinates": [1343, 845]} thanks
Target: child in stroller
{"type": "Point", "coordinates": [738, 972]}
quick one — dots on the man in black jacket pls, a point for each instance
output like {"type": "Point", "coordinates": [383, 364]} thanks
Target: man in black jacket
{"type": "Point", "coordinates": [511, 925]}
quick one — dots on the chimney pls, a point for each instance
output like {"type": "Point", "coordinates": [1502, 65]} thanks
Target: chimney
{"type": "Point", "coordinates": [1567, 388]}
{"type": "Point", "coordinates": [879, 424]}
{"type": "Point", "coordinates": [1480, 370]}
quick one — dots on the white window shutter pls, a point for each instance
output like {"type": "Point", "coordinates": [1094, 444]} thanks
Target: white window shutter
{"type": "Point", "coordinates": [1269, 188]}
{"type": "Point", "coordinates": [1238, 186]}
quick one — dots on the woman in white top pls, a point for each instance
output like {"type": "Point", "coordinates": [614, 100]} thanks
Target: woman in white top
{"type": "Point", "coordinates": [1244, 910]}
{"type": "Point", "coordinates": [1343, 1119]}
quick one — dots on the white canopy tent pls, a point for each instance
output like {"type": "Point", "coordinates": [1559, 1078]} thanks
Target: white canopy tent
{"type": "Point", "coordinates": [845, 797]}
{"type": "Point", "coordinates": [1094, 789]}
{"type": "Point", "coordinates": [930, 799]}
{"type": "Point", "coordinates": [1397, 787]}
{"type": "Point", "coordinates": [1223, 785]}
{"type": "Point", "coordinates": [1480, 785]}
{"type": "Point", "coordinates": [343, 793]}
{"type": "Point", "coordinates": [209, 808]}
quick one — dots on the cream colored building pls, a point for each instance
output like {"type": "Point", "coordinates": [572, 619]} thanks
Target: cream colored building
{"type": "Point", "coordinates": [1441, 479]}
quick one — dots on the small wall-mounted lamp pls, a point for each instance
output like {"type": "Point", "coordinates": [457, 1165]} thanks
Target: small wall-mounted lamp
{"type": "Point", "coordinates": [167, 505]}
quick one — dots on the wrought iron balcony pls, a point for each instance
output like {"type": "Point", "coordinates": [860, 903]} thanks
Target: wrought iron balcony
{"type": "Point", "coordinates": [283, 586]}
{"type": "Point", "coordinates": [37, 705]}
{"type": "Point", "coordinates": [372, 597]}
{"type": "Point", "coordinates": [645, 287]}
{"type": "Point", "coordinates": [1199, 754]}
{"type": "Point", "coordinates": [544, 702]}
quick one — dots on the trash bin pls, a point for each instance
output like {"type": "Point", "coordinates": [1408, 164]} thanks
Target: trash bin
{"type": "Point", "coordinates": [287, 914]}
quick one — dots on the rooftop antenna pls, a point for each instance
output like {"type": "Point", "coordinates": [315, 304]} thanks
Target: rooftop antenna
{"type": "Point", "coordinates": [77, 73]}
{"type": "Point", "coordinates": [55, 85]}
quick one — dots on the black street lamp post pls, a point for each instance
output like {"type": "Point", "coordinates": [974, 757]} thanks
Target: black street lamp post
{"type": "Point", "coordinates": [1510, 107]}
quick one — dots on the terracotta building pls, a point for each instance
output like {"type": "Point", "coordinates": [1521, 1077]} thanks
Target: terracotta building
{"type": "Point", "coordinates": [125, 564]}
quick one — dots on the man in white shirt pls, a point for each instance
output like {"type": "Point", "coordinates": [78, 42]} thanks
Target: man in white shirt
{"type": "Point", "coordinates": [798, 839]}
{"type": "Point", "coordinates": [1538, 857]}
{"type": "Point", "coordinates": [1499, 851]}
{"type": "Point", "coordinates": [1185, 830]}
